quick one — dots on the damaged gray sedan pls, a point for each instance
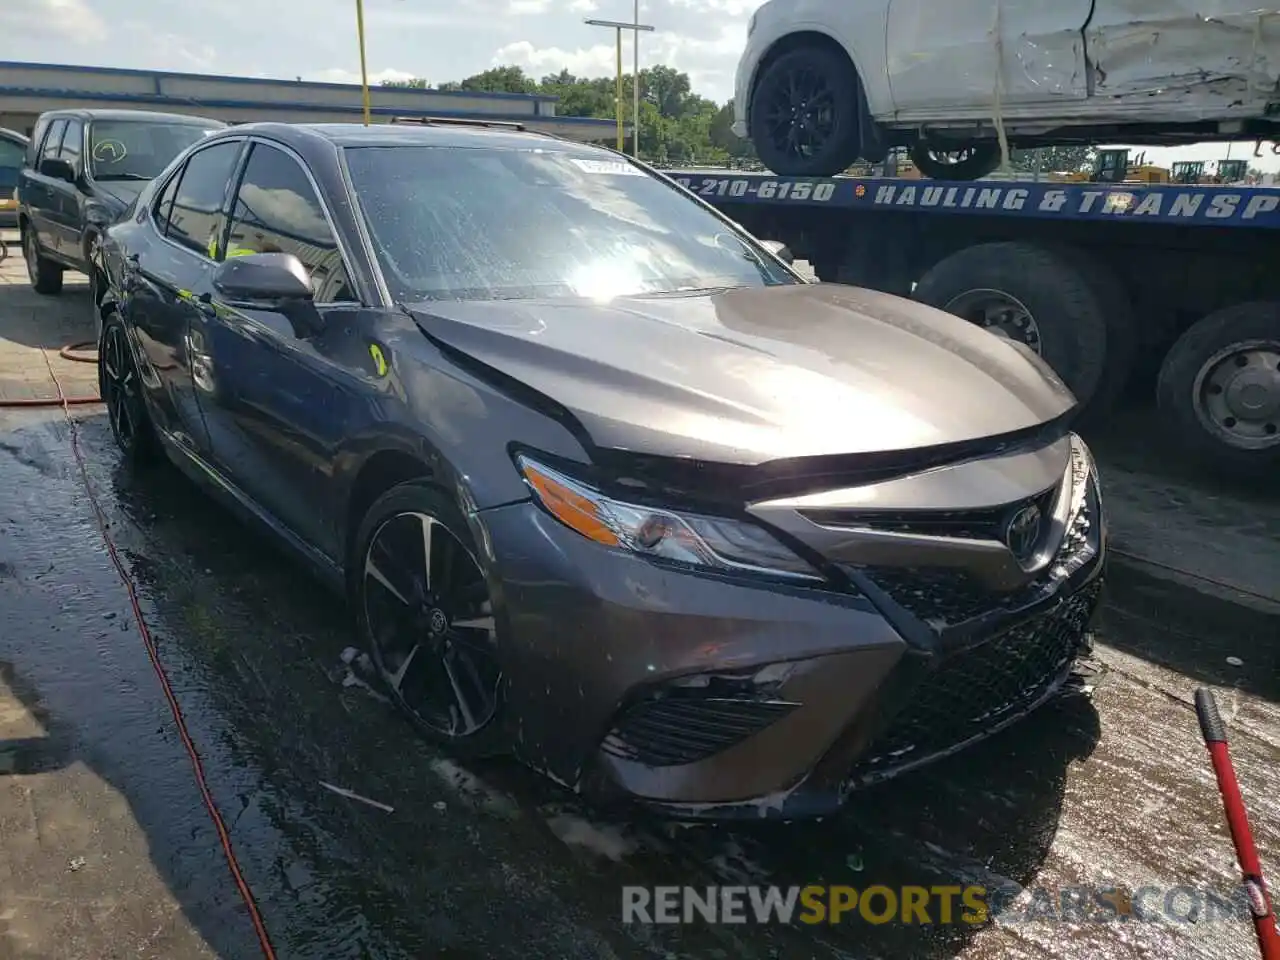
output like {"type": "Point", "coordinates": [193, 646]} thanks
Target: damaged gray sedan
{"type": "Point", "coordinates": [608, 485]}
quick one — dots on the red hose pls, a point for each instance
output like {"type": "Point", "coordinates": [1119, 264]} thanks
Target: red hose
{"type": "Point", "coordinates": [202, 783]}
{"type": "Point", "coordinates": [69, 352]}
{"type": "Point", "coordinates": [1215, 738]}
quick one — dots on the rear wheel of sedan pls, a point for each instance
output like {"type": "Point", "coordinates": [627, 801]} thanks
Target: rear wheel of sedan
{"type": "Point", "coordinates": [121, 390]}
{"type": "Point", "coordinates": [806, 113]}
{"type": "Point", "coordinates": [968, 161]}
{"type": "Point", "coordinates": [44, 274]}
{"type": "Point", "coordinates": [423, 607]}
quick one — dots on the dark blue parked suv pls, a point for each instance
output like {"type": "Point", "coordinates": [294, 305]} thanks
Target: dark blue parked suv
{"type": "Point", "coordinates": [82, 170]}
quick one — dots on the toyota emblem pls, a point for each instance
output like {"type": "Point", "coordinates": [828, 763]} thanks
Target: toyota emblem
{"type": "Point", "coordinates": [1022, 533]}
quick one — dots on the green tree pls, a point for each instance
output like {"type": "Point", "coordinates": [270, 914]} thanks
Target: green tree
{"type": "Point", "coordinates": [1064, 159]}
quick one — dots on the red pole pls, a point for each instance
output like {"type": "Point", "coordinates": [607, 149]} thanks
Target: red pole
{"type": "Point", "coordinates": [1215, 738]}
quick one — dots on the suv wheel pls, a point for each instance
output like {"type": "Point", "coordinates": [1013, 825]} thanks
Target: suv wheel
{"type": "Point", "coordinates": [45, 275]}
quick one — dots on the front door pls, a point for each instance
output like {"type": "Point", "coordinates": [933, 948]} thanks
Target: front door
{"type": "Point", "coordinates": [64, 216]}
{"type": "Point", "coordinates": [170, 280]}
{"type": "Point", "coordinates": [944, 57]}
{"type": "Point", "coordinates": [39, 193]}
{"type": "Point", "coordinates": [285, 397]}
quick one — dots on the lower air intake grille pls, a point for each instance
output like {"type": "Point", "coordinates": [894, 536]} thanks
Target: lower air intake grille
{"type": "Point", "coordinates": [979, 688]}
{"type": "Point", "coordinates": [674, 730]}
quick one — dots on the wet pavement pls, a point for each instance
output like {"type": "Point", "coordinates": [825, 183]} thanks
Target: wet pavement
{"type": "Point", "coordinates": [108, 850]}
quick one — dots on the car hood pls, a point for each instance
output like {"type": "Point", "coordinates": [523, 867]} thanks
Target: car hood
{"type": "Point", "coordinates": [121, 192]}
{"type": "Point", "coordinates": [746, 376]}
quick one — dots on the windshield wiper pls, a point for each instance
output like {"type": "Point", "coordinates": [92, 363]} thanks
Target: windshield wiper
{"type": "Point", "coordinates": [121, 176]}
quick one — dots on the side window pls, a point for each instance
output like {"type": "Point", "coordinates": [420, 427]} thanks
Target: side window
{"type": "Point", "coordinates": [73, 142]}
{"type": "Point", "coordinates": [37, 136]}
{"type": "Point", "coordinates": [277, 211]}
{"type": "Point", "coordinates": [53, 142]}
{"type": "Point", "coordinates": [196, 219]}
{"type": "Point", "coordinates": [164, 203]}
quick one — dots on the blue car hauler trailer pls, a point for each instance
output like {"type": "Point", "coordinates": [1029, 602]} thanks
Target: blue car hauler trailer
{"type": "Point", "coordinates": [1112, 284]}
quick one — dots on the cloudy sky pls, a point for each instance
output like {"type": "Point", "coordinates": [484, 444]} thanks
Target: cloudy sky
{"type": "Point", "coordinates": [435, 39]}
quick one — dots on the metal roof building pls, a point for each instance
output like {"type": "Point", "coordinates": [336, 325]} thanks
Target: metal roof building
{"type": "Point", "coordinates": [28, 89]}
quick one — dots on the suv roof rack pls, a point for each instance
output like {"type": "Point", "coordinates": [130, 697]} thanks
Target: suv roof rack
{"type": "Point", "coordinates": [460, 122]}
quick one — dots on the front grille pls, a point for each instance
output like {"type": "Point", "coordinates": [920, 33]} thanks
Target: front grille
{"type": "Point", "coordinates": [944, 597]}
{"type": "Point", "coordinates": [672, 730]}
{"type": "Point", "coordinates": [977, 689]}
{"type": "Point", "coordinates": [987, 523]}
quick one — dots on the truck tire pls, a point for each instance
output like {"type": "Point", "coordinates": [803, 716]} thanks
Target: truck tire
{"type": "Point", "coordinates": [1028, 293]}
{"type": "Point", "coordinates": [788, 84]}
{"type": "Point", "coordinates": [1219, 389]}
{"type": "Point", "coordinates": [1122, 329]}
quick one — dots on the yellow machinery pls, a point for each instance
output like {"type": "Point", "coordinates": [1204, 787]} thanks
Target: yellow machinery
{"type": "Point", "coordinates": [1192, 171]}
{"type": "Point", "coordinates": [1113, 166]}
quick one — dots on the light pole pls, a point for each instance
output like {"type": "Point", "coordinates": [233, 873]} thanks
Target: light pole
{"type": "Point", "coordinates": [635, 84]}
{"type": "Point", "coordinates": [618, 26]}
{"type": "Point", "coordinates": [364, 70]}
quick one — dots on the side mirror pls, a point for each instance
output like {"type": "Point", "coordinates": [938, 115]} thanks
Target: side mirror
{"type": "Point", "coordinates": [270, 281]}
{"type": "Point", "coordinates": [58, 168]}
{"type": "Point", "coordinates": [780, 250]}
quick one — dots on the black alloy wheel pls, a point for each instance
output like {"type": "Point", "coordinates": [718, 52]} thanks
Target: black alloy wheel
{"type": "Point", "coordinates": [426, 612]}
{"type": "Point", "coordinates": [120, 389]}
{"type": "Point", "coordinates": [805, 114]}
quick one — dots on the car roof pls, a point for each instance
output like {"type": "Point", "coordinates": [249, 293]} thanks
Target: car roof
{"type": "Point", "coordinates": [85, 113]}
{"type": "Point", "coordinates": [14, 135]}
{"type": "Point", "coordinates": [417, 134]}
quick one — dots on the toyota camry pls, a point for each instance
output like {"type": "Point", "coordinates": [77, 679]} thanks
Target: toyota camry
{"type": "Point", "coordinates": [608, 485]}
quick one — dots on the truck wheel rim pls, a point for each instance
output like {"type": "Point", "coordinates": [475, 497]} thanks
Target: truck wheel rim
{"type": "Point", "coordinates": [1236, 394]}
{"type": "Point", "coordinates": [1000, 313]}
{"type": "Point", "coordinates": [798, 110]}
{"type": "Point", "coordinates": [951, 158]}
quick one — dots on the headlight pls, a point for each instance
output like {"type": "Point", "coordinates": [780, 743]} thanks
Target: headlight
{"type": "Point", "coordinates": [715, 543]}
{"type": "Point", "coordinates": [1086, 531]}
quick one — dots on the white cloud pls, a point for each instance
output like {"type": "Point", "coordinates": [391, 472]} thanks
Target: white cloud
{"type": "Point", "coordinates": [522, 8]}
{"type": "Point", "coordinates": [52, 21]}
{"type": "Point", "coordinates": [709, 61]}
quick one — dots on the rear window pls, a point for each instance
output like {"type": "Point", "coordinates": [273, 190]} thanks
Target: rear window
{"type": "Point", "coordinates": [463, 223]}
{"type": "Point", "coordinates": [138, 149]}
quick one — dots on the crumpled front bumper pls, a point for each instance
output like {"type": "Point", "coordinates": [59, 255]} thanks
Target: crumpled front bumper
{"type": "Point", "coordinates": [708, 696]}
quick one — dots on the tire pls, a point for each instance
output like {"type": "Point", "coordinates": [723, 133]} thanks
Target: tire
{"type": "Point", "coordinates": [44, 274]}
{"type": "Point", "coordinates": [120, 388]}
{"type": "Point", "coordinates": [1068, 311]}
{"type": "Point", "coordinates": [1122, 330]}
{"type": "Point", "coordinates": [378, 598]}
{"type": "Point", "coordinates": [984, 157]}
{"type": "Point", "coordinates": [1187, 376]}
{"type": "Point", "coordinates": [835, 78]}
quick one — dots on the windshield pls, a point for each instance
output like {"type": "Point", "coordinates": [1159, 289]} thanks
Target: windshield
{"type": "Point", "coordinates": [458, 223]}
{"type": "Point", "coordinates": [137, 149]}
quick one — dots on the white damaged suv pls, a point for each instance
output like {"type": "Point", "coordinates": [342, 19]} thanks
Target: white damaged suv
{"type": "Point", "coordinates": [823, 83]}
